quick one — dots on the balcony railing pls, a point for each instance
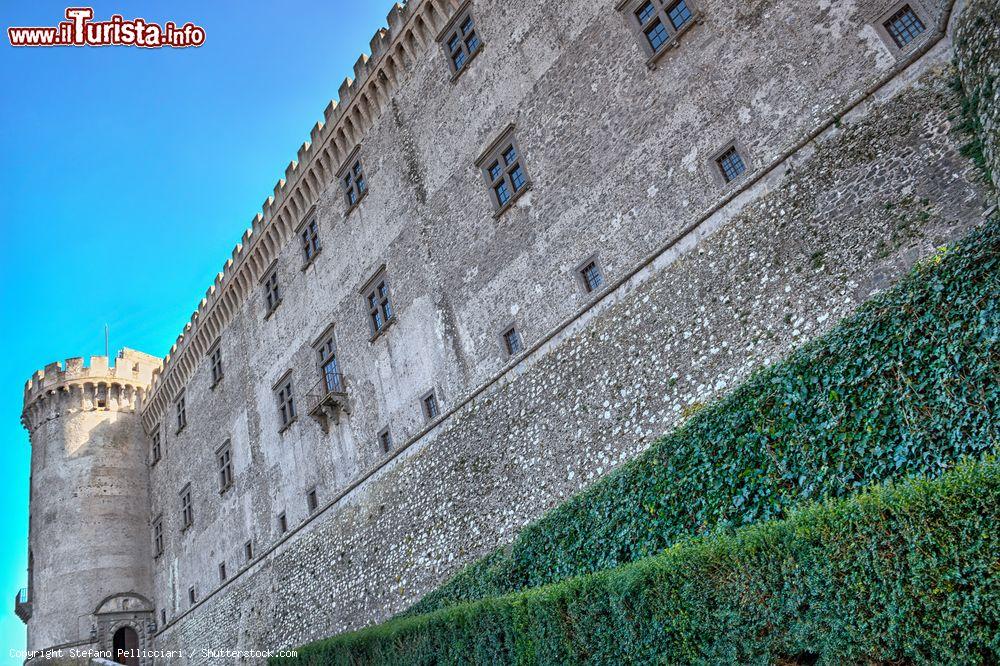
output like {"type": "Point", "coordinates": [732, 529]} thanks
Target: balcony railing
{"type": "Point", "coordinates": [327, 399]}
{"type": "Point", "coordinates": [22, 605]}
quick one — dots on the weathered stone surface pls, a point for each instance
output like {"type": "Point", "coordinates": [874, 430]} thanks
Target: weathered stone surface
{"type": "Point", "coordinates": [846, 220]}
{"type": "Point", "coordinates": [89, 525]}
{"type": "Point", "coordinates": [855, 172]}
{"type": "Point", "coordinates": [977, 46]}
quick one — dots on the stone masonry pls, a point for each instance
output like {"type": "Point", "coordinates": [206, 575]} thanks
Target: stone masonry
{"type": "Point", "coordinates": [854, 172]}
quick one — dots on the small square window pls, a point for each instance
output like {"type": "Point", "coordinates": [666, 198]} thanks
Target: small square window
{"type": "Point", "coordinates": [512, 343]}
{"type": "Point", "coordinates": [312, 500]}
{"type": "Point", "coordinates": [460, 40]}
{"type": "Point", "coordinates": [591, 275]}
{"type": "Point", "coordinates": [286, 400]}
{"type": "Point", "coordinates": [309, 237]}
{"type": "Point", "coordinates": [222, 572]}
{"type": "Point", "coordinates": [192, 596]}
{"type": "Point", "coordinates": [503, 170]}
{"type": "Point", "coordinates": [385, 440]}
{"type": "Point", "coordinates": [430, 406]}
{"type": "Point", "coordinates": [731, 164]}
{"type": "Point", "coordinates": [272, 292]}
{"type": "Point", "coordinates": [248, 551]}
{"type": "Point", "coordinates": [904, 26]}
{"type": "Point", "coordinates": [352, 175]}
{"type": "Point", "coordinates": [282, 523]}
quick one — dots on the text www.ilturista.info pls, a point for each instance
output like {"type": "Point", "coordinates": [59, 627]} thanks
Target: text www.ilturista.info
{"type": "Point", "coordinates": [80, 30]}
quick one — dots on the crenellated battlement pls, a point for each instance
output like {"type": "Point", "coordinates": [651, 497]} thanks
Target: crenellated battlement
{"type": "Point", "coordinates": [410, 28]}
{"type": "Point", "coordinates": [89, 386]}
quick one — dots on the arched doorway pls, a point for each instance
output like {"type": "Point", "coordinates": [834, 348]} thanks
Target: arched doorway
{"type": "Point", "coordinates": [125, 644]}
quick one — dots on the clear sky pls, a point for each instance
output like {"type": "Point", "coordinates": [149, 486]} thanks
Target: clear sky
{"type": "Point", "coordinates": [128, 177]}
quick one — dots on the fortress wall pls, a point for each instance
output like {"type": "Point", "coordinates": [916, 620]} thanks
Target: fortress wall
{"type": "Point", "coordinates": [844, 216]}
{"type": "Point", "coordinates": [620, 161]}
{"type": "Point", "coordinates": [977, 48]}
{"type": "Point", "coordinates": [620, 155]}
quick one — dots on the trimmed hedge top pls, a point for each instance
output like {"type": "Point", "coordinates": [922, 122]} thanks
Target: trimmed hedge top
{"type": "Point", "coordinates": [905, 386]}
{"type": "Point", "coordinates": [905, 574]}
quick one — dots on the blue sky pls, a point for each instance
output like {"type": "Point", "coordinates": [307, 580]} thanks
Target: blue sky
{"type": "Point", "coordinates": [129, 175]}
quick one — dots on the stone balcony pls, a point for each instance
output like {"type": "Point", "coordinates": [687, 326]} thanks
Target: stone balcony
{"type": "Point", "coordinates": [22, 605]}
{"type": "Point", "coordinates": [328, 399]}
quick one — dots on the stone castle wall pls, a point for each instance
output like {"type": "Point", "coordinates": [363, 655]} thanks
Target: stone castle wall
{"type": "Point", "coordinates": [743, 275]}
{"type": "Point", "coordinates": [977, 46]}
{"type": "Point", "coordinates": [855, 172]}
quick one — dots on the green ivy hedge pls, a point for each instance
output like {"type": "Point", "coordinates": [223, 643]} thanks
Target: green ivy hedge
{"type": "Point", "coordinates": [900, 574]}
{"type": "Point", "coordinates": [906, 386]}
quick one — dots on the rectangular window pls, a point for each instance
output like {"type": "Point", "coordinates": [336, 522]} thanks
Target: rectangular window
{"type": "Point", "coordinates": [385, 440]}
{"type": "Point", "coordinates": [679, 14]}
{"type": "Point", "coordinates": [224, 457]}
{"type": "Point", "coordinates": [222, 572]}
{"type": "Point", "coordinates": [591, 275]}
{"type": "Point", "coordinates": [272, 292]}
{"type": "Point", "coordinates": [430, 406]}
{"type": "Point", "coordinates": [310, 240]}
{"type": "Point", "coordinates": [156, 450]}
{"type": "Point", "coordinates": [192, 596]}
{"type": "Point", "coordinates": [312, 501]}
{"type": "Point", "coordinates": [503, 170]}
{"type": "Point", "coordinates": [163, 617]}
{"type": "Point", "coordinates": [181, 413]}
{"type": "Point", "coordinates": [659, 23]}
{"type": "Point", "coordinates": [352, 177]}
{"type": "Point", "coordinates": [512, 341]}
{"type": "Point", "coordinates": [248, 550]}
{"type": "Point", "coordinates": [646, 12]}
{"type": "Point", "coordinates": [286, 401]}
{"type": "Point", "coordinates": [731, 164]}
{"type": "Point", "coordinates": [904, 26]}
{"type": "Point", "coordinates": [215, 359]}
{"type": "Point", "coordinates": [187, 509]}
{"type": "Point", "coordinates": [158, 536]}
{"type": "Point", "coordinates": [460, 40]}
{"type": "Point", "coordinates": [379, 304]}
{"type": "Point", "coordinates": [329, 366]}
{"type": "Point", "coordinates": [282, 523]}
{"type": "Point", "coordinates": [656, 34]}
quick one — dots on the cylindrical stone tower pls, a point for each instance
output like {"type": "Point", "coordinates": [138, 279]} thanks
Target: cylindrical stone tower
{"type": "Point", "coordinates": [89, 582]}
